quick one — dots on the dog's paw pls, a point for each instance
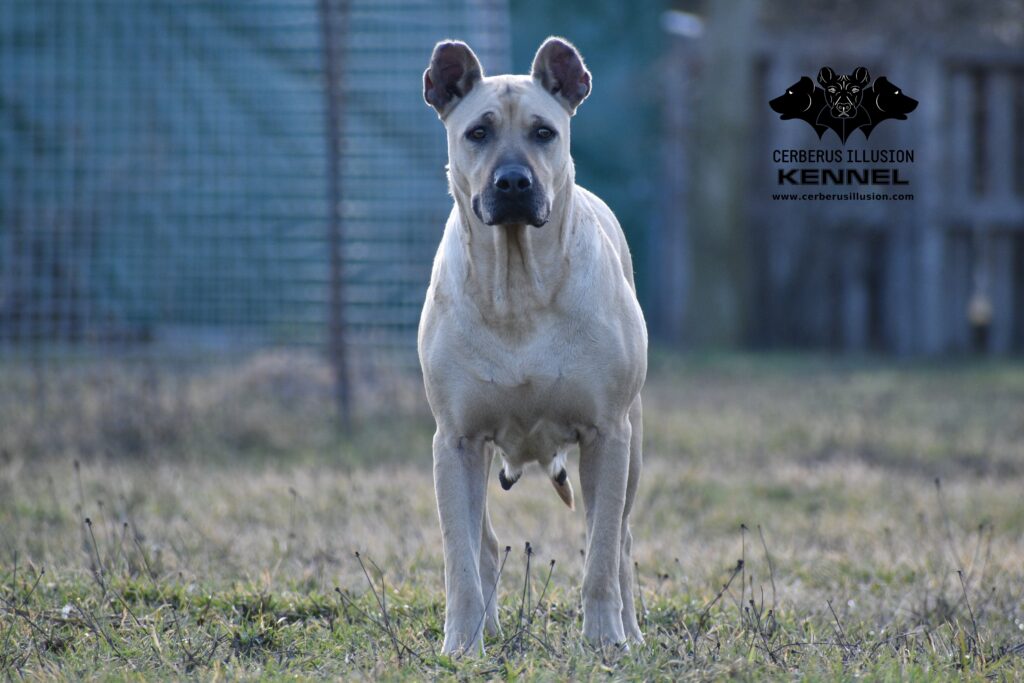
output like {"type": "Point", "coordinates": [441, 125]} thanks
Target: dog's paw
{"type": "Point", "coordinates": [602, 624]}
{"type": "Point", "coordinates": [463, 643]}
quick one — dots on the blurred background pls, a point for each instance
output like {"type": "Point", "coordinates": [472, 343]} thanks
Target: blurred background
{"type": "Point", "coordinates": [212, 212]}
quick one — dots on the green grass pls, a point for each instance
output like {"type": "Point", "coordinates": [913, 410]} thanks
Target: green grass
{"type": "Point", "coordinates": [225, 514]}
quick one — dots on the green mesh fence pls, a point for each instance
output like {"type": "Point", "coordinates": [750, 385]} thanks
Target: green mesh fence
{"type": "Point", "coordinates": [163, 171]}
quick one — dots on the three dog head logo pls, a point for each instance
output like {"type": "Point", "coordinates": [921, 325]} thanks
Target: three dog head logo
{"type": "Point", "coordinates": [843, 103]}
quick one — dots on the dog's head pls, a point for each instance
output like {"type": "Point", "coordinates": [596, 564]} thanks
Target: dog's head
{"type": "Point", "coordinates": [843, 93]}
{"type": "Point", "coordinates": [796, 101]}
{"type": "Point", "coordinates": [891, 101]}
{"type": "Point", "coordinates": [508, 136]}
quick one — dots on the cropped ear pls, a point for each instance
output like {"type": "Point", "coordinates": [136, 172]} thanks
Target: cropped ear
{"type": "Point", "coordinates": [825, 76]}
{"type": "Point", "coordinates": [559, 69]}
{"type": "Point", "coordinates": [861, 76]}
{"type": "Point", "coordinates": [452, 73]}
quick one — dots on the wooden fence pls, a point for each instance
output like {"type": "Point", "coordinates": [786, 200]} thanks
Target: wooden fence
{"type": "Point", "coordinates": [941, 273]}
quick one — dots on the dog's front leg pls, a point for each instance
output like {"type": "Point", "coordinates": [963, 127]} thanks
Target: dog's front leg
{"type": "Point", "coordinates": [604, 469]}
{"type": "Point", "coordinates": [460, 485]}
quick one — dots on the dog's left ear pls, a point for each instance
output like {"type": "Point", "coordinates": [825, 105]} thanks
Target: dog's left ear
{"type": "Point", "coordinates": [861, 76]}
{"type": "Point", "coordinates": [559, 69]}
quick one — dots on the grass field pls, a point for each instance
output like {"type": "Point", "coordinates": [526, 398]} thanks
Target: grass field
{"type": "Point", "coordinates": [801, 518]}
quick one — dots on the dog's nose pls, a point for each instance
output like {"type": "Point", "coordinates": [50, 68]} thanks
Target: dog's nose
{"type": "Point", "coordinates": [513, 179]}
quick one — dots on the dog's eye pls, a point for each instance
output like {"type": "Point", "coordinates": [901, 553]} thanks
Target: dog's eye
{"type": "Point", "coordinates": [544, 134]}
{"type": "Point", "coordinates": [831, 89]}
{"type": "Point", "coordinates": [789, 92]}
{"type": "Point", "coordinates": [478, 133]}
{"type": "Point", "coordinates": [896, 92]}
{"type": "Point", "coordinates": [855, 90]}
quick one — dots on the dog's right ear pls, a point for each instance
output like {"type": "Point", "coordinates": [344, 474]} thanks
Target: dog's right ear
{"type": "Point", "coordinates": [826, 76]}
{"type": "Point", "coordinates": [452, 73]}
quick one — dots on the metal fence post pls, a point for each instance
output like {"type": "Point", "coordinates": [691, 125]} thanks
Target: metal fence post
{"type": "Point", "coordinates": [333, 20]}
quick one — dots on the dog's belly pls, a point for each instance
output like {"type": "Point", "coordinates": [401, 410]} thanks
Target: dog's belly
{"type": "Point", "coordinates": [530, 417]}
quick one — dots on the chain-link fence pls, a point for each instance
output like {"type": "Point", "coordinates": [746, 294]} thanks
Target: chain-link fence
{"type": "Point", "coordinates": [168, 189]}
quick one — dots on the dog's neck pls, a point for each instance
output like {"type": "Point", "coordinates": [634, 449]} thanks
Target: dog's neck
{"type": "Point", "coordinates": [514, 271]}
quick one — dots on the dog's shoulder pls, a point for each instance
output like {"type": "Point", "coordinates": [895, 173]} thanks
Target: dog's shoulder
{"type": "Point", "coordinates": [589, 204]}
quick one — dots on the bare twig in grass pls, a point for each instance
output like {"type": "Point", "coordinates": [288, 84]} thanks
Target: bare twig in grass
{"type": "Point", "coordinates": [639, 590]}
{"type": "Point", "coordinates": [383, 608]}
{"type": "Point", "coordinates": [348, 602]}
{"type": "Point", "coordinates": [540, 601]}
{"type": "Point", "coordinates": [756, 618]}
{"type": "Point", "coordinates": [516, 639]}
{"type": "Point", "coordinates": [988, 553]}
{"type": "Point", "coordinates": [526, 584]}
{"type": "Point", "coordinates": [93, 624]}
{"type": "Point", "coordinates": [702, 620]}
{"type": "Point", "coordinates": [771, 564]}
{"type": "Point", "coordinates": [976, 644]}
{"type": "Point", "coordinates": [743, 569]}
{"type": "Point", "coordinates": [97, 569]}
{"type": "Point", "coordinates": [195, 659]}
{"type": "Point", "coordinates": [947, 524]}
{"type": "Point", "coordinates": [494, 587]}
{"type": "Point", "coordinates": [387, 626]}
{"type": "Point", "coordinates": [550, 650]}
{"type": "Point", "coordinates": [899, 636]}
{"type": "Point", "coordinates": [10, 626]}
{"type": "Point", "coordinates": [14, 605]}
{"type": "Point", "coordinates": [191, 662]}
{"type": "Point", "coordinates": [80, 506]}
{"type": "Point", "coordinates": [840, 631]}
{"type": "Point", "coordinates": [105, 589]}
{"type": "Point", "coordinates": [105, 525]}
{"type": "Point", "coordinates": [145, 560]}
{"type": "Point", "coordinates": [25, 614]}
{"type": "Point", "coordinates": [119, 551]}
{"type": "Point", "coordinates": [291, 521]}
{"type": "Point", "coordinates": [977, 550]}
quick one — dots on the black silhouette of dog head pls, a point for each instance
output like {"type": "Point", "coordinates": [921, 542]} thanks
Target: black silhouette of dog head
{"type": "Point", "coordinates": [889, 101]}
{"type": "Point", "coordinates": [801, 101]}
{"type": "Point", "coordinates": [798, 99]}
{"type": "Point", "coordinates": [843, 93]}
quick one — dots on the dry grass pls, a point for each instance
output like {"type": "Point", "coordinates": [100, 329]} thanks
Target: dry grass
{"type": "Point", "coordinates": [222, 524]}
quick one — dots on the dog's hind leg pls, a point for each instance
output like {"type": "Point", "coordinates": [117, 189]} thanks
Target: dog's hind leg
{"type": "Point", "coordinates": [629, 623]}
{"type": "Point", "coordinates": [489, 564]}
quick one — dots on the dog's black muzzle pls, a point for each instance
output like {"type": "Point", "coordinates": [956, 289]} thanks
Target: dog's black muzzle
{"type": "Point", "coordinates": [512, 197]}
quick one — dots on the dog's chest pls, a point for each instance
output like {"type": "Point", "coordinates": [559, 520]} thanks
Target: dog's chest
{"type": "Point", "coordinates": [532, 401]}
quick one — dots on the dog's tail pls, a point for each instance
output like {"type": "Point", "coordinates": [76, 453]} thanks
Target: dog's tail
{"type": "Point", "coordinates": [560, 480]}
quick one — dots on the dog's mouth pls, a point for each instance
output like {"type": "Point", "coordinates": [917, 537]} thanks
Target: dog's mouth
{"type": "Point", "coordinates": [529, 210]}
